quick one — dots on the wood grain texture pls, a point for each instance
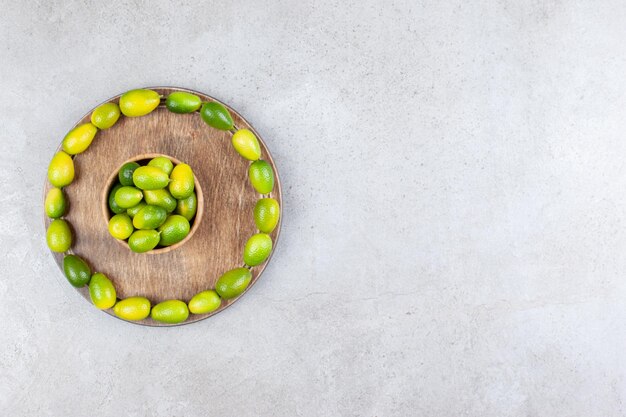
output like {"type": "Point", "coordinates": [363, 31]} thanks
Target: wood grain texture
{"type": "Point", "coordinates": [223, 227]}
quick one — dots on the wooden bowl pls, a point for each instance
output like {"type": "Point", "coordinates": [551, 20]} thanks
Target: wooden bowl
{"type": "Point", "coordinates": [223, 224]}
{"type": "Point", "coordinates": [113, 179]}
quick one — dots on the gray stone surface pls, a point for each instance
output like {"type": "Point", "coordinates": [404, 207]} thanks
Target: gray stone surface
{"type": "Point", "coordinates": [453, 242]}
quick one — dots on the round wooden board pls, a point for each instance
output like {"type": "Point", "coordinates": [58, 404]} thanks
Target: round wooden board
{"type": "Point", "coordinates": [224, 226]}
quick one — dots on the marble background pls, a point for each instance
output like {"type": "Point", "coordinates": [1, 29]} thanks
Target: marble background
{"type": "Point", "coordinates": [454, 177]}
